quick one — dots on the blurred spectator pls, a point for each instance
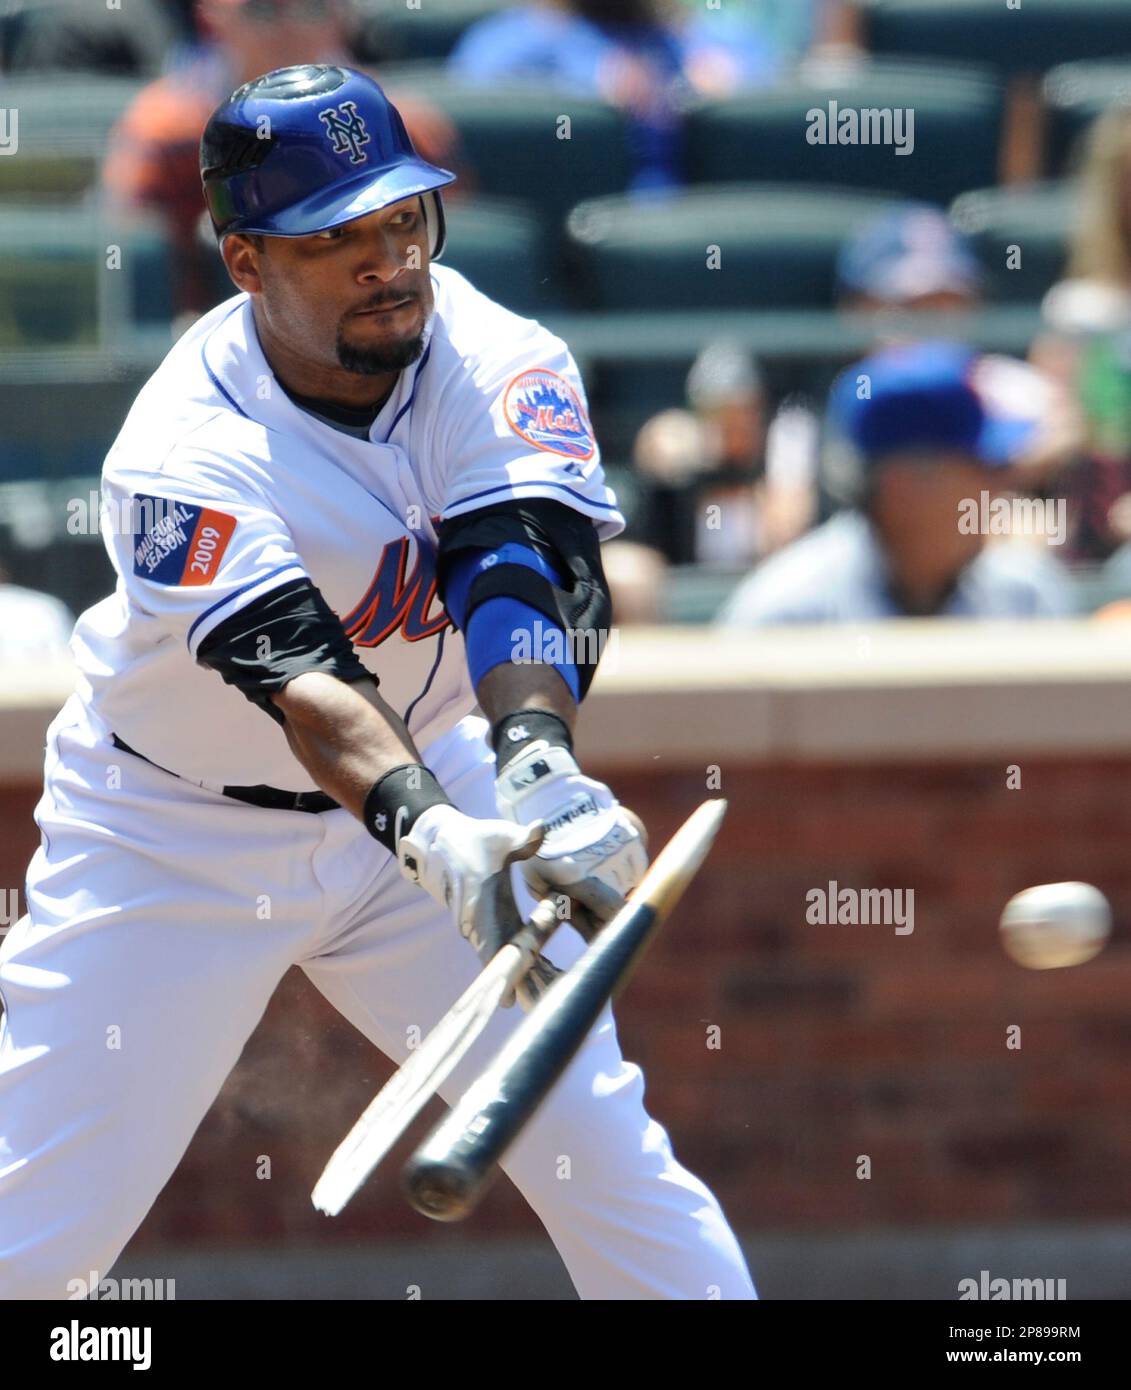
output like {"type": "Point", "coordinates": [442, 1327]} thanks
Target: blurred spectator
{"type": "Point", "coordinates": [928, 448]}
{"type": "Point", "coordinates": [1054, 439]}
{"type": "Point", "coordinates": [908, 258]}
{"type": "Point", "coordinates": [719, 488]}
{"type": "Point", "coordinates": [1117, 611]}
{"type": "Point", "coordinates": [89, 36]}
{"type": "Point", "coordinates": [641, 55]}
{"type": "Point", "coordinates": [1101, 247]}
{"type": "Point", "coordinates": [802, 33]}
{"type": "Point", "coordinates": [154, 151]}
{"type": "Point", "coordinates": [907, 261]}
{"type": "Point", "coordinates": [637, 577]}
{"type": "Point", "coordinates": [183, 14]}
{"type": "Point", "coordinates": [1087, 345]}
{"type": "Point", "coordinates": [910, 261]}
{"type": "Point", "coordinates": [1115, 584]}
{"type": "Point", "coordinates": [835, 26]}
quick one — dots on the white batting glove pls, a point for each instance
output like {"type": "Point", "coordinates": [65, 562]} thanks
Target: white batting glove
{"type": "Point", "coordinates": [464, 864]}
{"type": "Point", "coordinates": [593, 851]}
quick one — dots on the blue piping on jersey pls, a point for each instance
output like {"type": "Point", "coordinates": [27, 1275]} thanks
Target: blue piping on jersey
{"type": "Point", "coordinates": [290, 565]}
{"type": "Point", "coordinates": [428, 682]}
{"type": "Point", "coordinates": [219, 385]}
{"type": "Point", "coordinates": [415, 383]}
{"type": "Point", "coordinates": [534, 482]}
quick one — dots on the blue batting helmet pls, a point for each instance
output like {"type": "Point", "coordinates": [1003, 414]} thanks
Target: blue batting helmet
{"type": "Point", "coordinates": [306, 148]}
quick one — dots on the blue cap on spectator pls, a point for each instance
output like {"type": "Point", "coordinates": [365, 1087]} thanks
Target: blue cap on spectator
{"type": "Point", "coordinates": [923, 396]}
{"type": "Point", "coordinates": [908, 251]}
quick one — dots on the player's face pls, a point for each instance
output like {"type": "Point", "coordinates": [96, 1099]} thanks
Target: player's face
{"type": "Point", "coordinates": [357, 296]}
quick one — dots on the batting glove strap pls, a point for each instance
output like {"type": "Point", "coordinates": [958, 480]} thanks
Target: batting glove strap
{"type": "Point", "coordinates": [514, 733]}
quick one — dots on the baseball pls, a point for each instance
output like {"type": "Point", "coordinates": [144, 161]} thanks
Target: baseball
{"type": "Point", "coordinates": [1055, 924]}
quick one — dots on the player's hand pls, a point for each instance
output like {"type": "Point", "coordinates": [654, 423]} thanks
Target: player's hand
{"type": "Point", "coordinates": [464, 864]}
{"type": "Point", "coordinates": [594, 849]}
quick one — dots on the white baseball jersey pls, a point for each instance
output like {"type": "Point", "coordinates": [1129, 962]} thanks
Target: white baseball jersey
{"type": "Point", "coordinates": [219, 488]}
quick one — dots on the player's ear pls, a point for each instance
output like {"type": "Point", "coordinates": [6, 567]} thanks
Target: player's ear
{"type": "Point", "coordinates": [241, 257]}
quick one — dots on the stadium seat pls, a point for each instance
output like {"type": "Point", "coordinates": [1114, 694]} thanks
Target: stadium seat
{"type": "Point", "coordinates": [776, 246]}
{"type": "Point", "coordinates": [107, 37]}
{"type": "Point", "coordinates": [1031, 37]}
{"type": "Point", "coordinates": [12, 19]}
{"type": "Point", "coordinates": [695, 595]}
{"type": "Point", "coordinates": [518, 143]}
{"type": "Point", "coordinates": [60, 286]}
{"type": "Point", "coordinates": [62, 128]}
{"type": "Point", "coordinates": [762, 135]}
{"type": "Point", "coordinates": [500, 247]}
{"type": "Point", "coordinates": [1075, 94]}
{"type": "Point", "coordinates": [61, 411]}
{"type": "Point", "coordinates": [388, 30]}
{"type": "Point", "coordinates": [1036, 218]}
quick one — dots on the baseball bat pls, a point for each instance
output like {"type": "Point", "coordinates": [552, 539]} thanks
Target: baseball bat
{"type": "Point", "coordinates": [414, 1083]}
{"type": "Point", "coordinates": [448, 1174]}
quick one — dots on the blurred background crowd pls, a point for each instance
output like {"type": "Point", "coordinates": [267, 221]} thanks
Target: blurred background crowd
{"type": "Point", "coordinates": [804, 356]}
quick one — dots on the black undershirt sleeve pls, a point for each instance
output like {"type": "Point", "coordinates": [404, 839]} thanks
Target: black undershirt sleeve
{"type": "Point", "coordinates": [279, 636]}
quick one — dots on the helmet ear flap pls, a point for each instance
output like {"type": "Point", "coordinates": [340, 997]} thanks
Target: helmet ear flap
{"type": "Point", "coordinates": [435, 222]}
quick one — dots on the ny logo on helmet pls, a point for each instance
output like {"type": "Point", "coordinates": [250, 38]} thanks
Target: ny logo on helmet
{"type": "Point", "coordinates": [346, 131]}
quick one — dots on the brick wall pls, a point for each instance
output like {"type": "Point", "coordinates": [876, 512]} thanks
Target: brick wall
{"type": "Point", "coordinates": [836, 1041]}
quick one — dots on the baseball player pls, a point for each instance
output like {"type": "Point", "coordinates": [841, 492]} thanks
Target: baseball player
{"type": "Point", "coordinates": [347, 496]}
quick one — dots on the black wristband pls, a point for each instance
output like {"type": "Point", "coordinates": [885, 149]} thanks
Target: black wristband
{"type": "Point", "coordinates": [396, 800]}
{"type": "Point", "coordinates": [514, 731]}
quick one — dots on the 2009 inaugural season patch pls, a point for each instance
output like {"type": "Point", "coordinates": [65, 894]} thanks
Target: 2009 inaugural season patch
{"type": "Point", "coordinates": [544, 409]}
{"type": "Point", "coordinates": [176, 542]}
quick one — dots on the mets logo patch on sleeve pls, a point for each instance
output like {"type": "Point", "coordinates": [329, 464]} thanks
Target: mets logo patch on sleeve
{"type": "Point", "coordinates": [177, 542]}
{"type": "Point", "coordinates": [545, 410]}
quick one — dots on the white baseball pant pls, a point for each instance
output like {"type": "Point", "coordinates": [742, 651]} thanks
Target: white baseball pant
{"type": "Point", "coordinates": [161, 917]}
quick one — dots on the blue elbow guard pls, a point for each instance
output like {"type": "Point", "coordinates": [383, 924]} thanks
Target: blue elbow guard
{"type": "Point", "coordinates": [506, 629]}
{"type": "Point", "coordinates": [544, 556]}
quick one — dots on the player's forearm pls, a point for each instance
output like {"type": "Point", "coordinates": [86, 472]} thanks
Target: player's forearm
{"type": "Point", "coordinates": [345, 735]}
{"type": "Point", "coordinates": [511, 687]}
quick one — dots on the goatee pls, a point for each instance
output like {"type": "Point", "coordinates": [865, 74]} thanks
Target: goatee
{"type": "Point", "coordinates": [372, 361]}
